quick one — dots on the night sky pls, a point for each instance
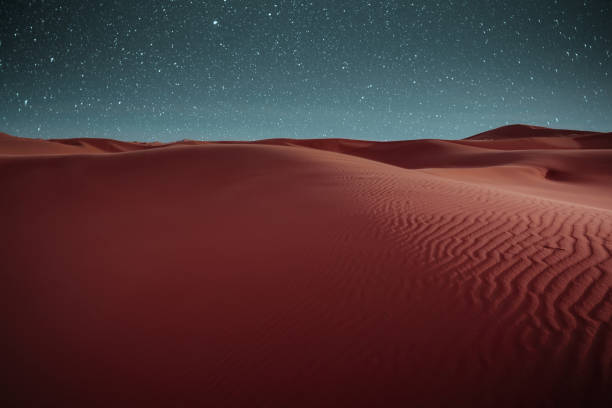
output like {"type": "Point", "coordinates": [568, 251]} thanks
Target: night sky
{"type": "Point", "coordinates": [378, 70]}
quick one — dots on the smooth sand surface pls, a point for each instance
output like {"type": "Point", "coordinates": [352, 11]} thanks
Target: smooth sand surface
{"type": "Point", "coordinates": [290, 273]}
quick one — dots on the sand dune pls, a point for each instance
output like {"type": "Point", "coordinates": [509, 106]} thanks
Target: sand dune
{"type": "Point", "coordinates": [308, 272]}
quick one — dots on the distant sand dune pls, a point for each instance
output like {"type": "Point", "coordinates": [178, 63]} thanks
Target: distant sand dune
{"type": "Point", "coordinates": [308, 272]}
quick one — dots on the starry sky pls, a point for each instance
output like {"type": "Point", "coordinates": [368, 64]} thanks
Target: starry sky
{"type": "Point", "coordinates": [242, 70]}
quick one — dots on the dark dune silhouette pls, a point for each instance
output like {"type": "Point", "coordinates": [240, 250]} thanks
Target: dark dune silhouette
{"type": "Point", "coordinates": [308, 272]}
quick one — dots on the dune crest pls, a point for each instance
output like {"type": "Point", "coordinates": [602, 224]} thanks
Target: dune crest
{"type": "Point", "coordinates": [519, 131]}
{"type": "Point", "coordinates": [309, 272]}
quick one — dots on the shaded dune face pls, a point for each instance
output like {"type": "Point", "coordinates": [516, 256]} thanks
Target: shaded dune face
{"type": "Point", "coordinates": [307, 273]}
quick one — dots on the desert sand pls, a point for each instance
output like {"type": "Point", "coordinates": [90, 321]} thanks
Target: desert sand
{"type": "Point", "coordinates": [308, 273]}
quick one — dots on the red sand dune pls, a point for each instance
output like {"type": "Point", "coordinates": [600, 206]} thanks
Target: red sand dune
{"type": "Point", "coordinates": [308, 272]}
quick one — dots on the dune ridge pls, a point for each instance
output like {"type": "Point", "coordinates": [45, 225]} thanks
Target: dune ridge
{"type": "Point", "coordinates": [309, 272]}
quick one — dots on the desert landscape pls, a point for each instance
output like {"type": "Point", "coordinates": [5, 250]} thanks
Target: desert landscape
{"type": "Point", "coordinates": [322, 272]}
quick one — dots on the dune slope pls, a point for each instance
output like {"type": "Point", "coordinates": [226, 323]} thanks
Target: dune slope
{"type": "Point", "coordinates": [306, 273]}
